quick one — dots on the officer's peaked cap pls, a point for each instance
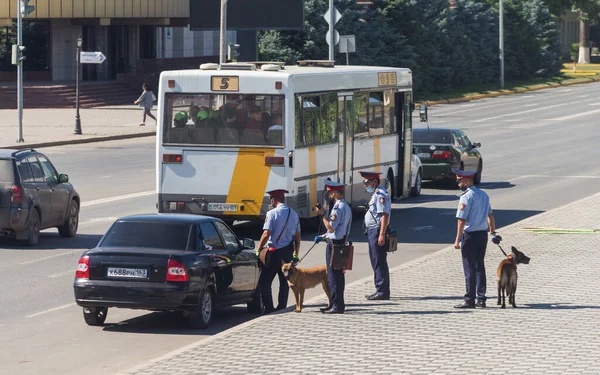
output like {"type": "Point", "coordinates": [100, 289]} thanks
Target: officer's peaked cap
{"type": "Point", "coordinates": [332, 185]}
{"type": "Point", "coordinates": [277, 193]}
{"type": "Point", "coordinates": [369, 174]}
{"type": "Point", "coordinates": [463, 174]}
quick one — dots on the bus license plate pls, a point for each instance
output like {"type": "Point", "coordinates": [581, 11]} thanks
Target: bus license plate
{"type": "Point", "coordinates": [222, 207]}
{"type": "Point", "coordinates": [137, 273]}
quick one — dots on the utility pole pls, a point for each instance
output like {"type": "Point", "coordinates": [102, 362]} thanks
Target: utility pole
{"type": "Point", "coordinates": [501, 14]}
{"type": "Point", "coordinates": [223, 49]}
{"type": "Point", "coordinates": [20, 73]}
{"type": "Point", "coordinates": [331, 30]}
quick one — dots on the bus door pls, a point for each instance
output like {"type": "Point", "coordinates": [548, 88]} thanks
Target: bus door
{"type": "Point", "coordinates": [404, 128]}
{"type": "Point", "coordinates": [346, 130]}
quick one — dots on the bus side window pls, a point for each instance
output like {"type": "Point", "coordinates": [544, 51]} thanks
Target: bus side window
{"type": "Point", "coordinates": [361, 126]}
{"type": "Point", "coordinates": [300, 142]}
{"type": "Point", "coordinates": [328, 126]}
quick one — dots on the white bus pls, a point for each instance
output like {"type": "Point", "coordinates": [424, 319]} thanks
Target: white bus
{"type": "Point", "coordinates": [227, 134]}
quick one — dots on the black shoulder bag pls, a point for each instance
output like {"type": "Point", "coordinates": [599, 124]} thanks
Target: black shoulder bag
{"type": "Point", "coordinates": [391, 237]}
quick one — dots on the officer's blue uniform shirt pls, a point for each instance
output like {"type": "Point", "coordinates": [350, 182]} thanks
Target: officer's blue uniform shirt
{"type": "Point", "coordinates": [275, 222]}
{"type": "Point", "coordinates": [340, 219]}
{"type": "Point", "coordinates": [379, 204]}
{"type": "Point", "coordinates": [474, 206]}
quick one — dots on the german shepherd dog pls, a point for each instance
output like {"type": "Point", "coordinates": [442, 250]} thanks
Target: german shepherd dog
{"type": "Point", "coordinates": [300, 279]}
{"type": "Point", "coordinates": [507, 276]}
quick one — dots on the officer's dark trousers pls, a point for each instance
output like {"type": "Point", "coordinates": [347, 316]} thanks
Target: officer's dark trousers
{"type": "Point", "coordinates": [337, 282]}
{"type": "Point", "coordinates": [268, 274]}
{"type": "Point", "coordinates": [473, 253]}
{"type": "Point", "coordinates": [378, 256]}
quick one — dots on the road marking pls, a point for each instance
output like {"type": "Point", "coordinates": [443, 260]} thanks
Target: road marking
{"type": "Point", "coordinates": [522, 112]}
{"type": "Point", "coordinates": [576, 115]}
{"type": "Point", "coordinates": [99, 220]}
{"type": "Point", "coordinates": [50, 310]}
{"type": "Point", "coordinates": [118, 198]}
{"type": "Point", "coordinates": [594, 103]}
{"type": "Point", "coordinates": [105, 177]}
{"type": "Point", "coordinates": [71, 272]}
{"type": "Point", "coordinates": [148, 170]}
{"type": "Point", "coordinates": [589, 100]}
{"type": "Point", "coordinates": [426, 227]}
{"type": "Point", "coordinates": [50, 257]}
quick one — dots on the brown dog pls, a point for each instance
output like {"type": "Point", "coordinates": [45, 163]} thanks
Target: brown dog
{"type": "Point", "coordinates": [507, 276]}
{"type": "Point", "coordinates": [300, 279]}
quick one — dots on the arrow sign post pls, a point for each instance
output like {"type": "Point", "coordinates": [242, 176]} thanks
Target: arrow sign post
{"type": "Point", "coordinates": [92, 58]}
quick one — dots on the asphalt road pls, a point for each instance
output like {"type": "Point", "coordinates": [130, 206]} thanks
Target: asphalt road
{"type": "Point", "coordinates": [539, 151]}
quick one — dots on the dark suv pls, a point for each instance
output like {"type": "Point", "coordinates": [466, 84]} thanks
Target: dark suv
{"type": "Point", "coordinates": [33, 197]}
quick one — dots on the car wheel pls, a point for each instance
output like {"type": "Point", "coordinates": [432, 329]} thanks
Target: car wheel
{"type": "Point", "coordinates": [477, 179]}
{"type": "Point", "coordinates": [95, 316]}
{"type": "Point", "coordinates": [201, 318]}
{"type": "Point", "coordinates": [256, 306]}
{"type": "Point", "coordinates": [33, 230]}
{"type": "Point", "coordinates": [416, 189]}
{"type": "Point", "coordinates": [69, 228]}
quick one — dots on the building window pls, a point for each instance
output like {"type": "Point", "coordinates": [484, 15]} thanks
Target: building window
{"type": "Point", "coordinates": [36, 37]}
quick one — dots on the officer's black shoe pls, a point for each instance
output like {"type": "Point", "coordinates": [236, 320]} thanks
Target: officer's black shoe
{"type": "Point", "coordinates": [465, 305]}
{"type": "Point", "coordinates": [370, 296]}
{"type": "Point", "coordinates": [378, 297]}
{"type": "Point", "coordinates": [332, 311]}
{"type": "Point", "coordinates": [480, 304]}
{"type": "Point", "coordinates": [325, 308]}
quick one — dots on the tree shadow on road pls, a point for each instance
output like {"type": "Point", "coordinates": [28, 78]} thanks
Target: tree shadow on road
{"type": "Point", "coordinates": [173, 323]}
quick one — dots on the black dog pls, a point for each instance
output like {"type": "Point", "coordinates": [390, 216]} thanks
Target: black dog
{"type": "Point", "coordinates": [507, 276]}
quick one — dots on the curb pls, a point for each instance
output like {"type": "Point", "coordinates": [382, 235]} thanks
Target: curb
{"type": "Point", "coordinates": [79, 141]}
{"type": "Point", "coordinates": [494, 94]}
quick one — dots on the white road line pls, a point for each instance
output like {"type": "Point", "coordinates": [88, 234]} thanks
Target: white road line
{"type": "Point", "coordinates": [50, 310]}
{"type": "Point", "coordinates": [589, 100]}
{"type": "Point", "coordinates": [582, 96]}
{"type": "Point", "coordinates": [530, 105]}
{"type": "Point", "coordinates": [594, 103]}
{"type": "Point", "coordinates": [149, 170]}
{"type": "Point", "coordinates": [117, 198]}
{"type": "Point", "coordinates": [105, 177]}
{"type": "Point", "coordinates": [51, 257]}
{"type": "Point", "coordinates": [576, 115]}
{"type": "Point", "coordinates": [522, 112]}
{"type": "Point", "coordinates": [65, 273]}
{"type": "Point", "coordinates": [99, 220]}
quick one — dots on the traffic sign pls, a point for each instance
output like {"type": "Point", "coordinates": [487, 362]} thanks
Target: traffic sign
{"type": "Point", "coordinates": [347, 43]}
{"type": "Point", "coordinates": [336, 14]}
{"type": "Point", "coordinates": [336, 37]}
{"type": "Point", "coordinates": [92, 57]}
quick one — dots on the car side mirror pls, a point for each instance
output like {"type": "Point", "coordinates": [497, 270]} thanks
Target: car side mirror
{"type": "Point", "coordinates": [247, 243]}
{"type": "Point", "coordinates": [476, 144]}
{"type": "Point", "coordinates": [63, 178]}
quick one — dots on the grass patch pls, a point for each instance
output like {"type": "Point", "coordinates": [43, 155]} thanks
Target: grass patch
{"type": "Point", "coordinates": [491, 88]}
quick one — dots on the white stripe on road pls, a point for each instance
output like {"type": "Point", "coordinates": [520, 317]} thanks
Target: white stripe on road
{"type": "Point", "coordinates": [50, 310]}
{"type": "Point", "coordinates": [105, 177]}
{"type": "Point", "coordinates": [50, 257]}
{"type": "Point", "coordinates": [576, 115]}
{"type": "Point", "coordinates": [594, 104]}
{"type": "Point", "coordinates": [98, 220]}
{"type": "Point", "coordinates": [71, 272]}
{"type": "Point", "coordinates": [522, 112]}
{"type": "Point", "coordinates": [118, 198]}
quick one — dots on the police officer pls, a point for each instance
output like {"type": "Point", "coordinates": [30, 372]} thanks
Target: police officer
{"type": "Point", "coordinates": [338, 229]}
{"type": "Point", "coordinates": [475, 218]}
{"type": "Point", "coordinates": [377, 220]}
{"type": "Point", "coordinates": [281, 234]}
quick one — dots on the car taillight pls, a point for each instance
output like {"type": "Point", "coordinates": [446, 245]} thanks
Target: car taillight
{"type": "Point", "coordinates": [16, 194]}
{"type": "Point", "coordinates": [441, 155]}
{"type": "Point", "coordinates": [176, 271]}
{"type": "Point", "coordinates": [83, 268]}
{"type": "Point", "coordinates": [172, 158]}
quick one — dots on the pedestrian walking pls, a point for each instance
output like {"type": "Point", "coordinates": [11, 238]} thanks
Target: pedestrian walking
{"type": "Point", "coordinates": [281, 235]}
{"type": "Point", "coordinates": [338, 225]}
{"type": "Point", "coordinates": [475, 218]}
{"type": "Point", "coordinates": [146, 101]}
{"type": "Point", "coordinates": [377, 220]}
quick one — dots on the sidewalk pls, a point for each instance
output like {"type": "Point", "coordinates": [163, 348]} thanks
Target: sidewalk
{"type": "Point", "coordinates": [555, 330]}
{"type": "Point", "coordinates": [53, 127]}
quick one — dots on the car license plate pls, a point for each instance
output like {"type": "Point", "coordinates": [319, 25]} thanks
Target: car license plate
{"type": "Point", "coordinates": [222, 207]}
{"type": "Point", "coordinates": [424, 155]}
{"type": "Point", "coordinates": [136, 273]}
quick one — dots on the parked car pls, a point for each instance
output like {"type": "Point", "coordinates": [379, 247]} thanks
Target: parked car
{"type": "Point", "coordinates": [168, 262]}
{"type": "Point", "coordinates": [416, 174]}
{"type": "Point", "coordinates": [440, 150]}
{"type": "Point", "coordinates": [34, 197]}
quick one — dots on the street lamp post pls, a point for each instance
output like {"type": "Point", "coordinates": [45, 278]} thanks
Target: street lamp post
{"type": "Point", "coordinates": [501, 42]}
{"type": "Point", "coordinates": [77, 57]}
{"type": "Point", "coordinates": [223, 31]}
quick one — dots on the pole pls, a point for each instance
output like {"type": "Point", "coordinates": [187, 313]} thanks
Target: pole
{"type": "Point", "coordinates": [331, 29]}
{"type": "Point", "coordinates": [77, 118]}
{"type": "Point", "coordinates": [223, 50]}
{"type": "Point", "coordinates": [20, 75]}
{"type": "Point", "coordinates": [347, 59]}
{"type": "Point", "coordinates": [501, 11]}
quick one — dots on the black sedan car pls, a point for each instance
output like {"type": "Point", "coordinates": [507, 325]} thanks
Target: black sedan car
{"type": "Point", "coordinates": [168, 262]}
{"type": "Point", "coordinates": [440, 150]}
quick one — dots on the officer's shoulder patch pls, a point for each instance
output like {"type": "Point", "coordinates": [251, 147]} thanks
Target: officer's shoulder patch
{"type": "Point", "coordinates": [332, 217]}
{"type": "Point", "coordinates": [461, 207]}
{"type": "Point", "coordinates": [382, 200]}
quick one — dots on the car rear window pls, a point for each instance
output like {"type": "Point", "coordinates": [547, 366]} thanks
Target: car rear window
{"type": "Point", "coordinates": [6, 170]}
{"type": "Point", "coordinates": [438, 136]}
{"type": "Point", "coordinates": [148, 234]}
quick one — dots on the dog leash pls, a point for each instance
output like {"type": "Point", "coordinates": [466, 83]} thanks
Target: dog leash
{"type": "Point", "coordinates": [318, 231]}
{"type": "Point", "coordinates": [501, 249]}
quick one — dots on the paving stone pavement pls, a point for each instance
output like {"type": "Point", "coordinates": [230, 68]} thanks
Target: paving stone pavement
{"type": "Point", "coordinates": [555, 330]}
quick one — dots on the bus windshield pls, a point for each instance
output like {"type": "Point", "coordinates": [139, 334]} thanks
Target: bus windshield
{"type": "Point", "coordinates": [217, 119]}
